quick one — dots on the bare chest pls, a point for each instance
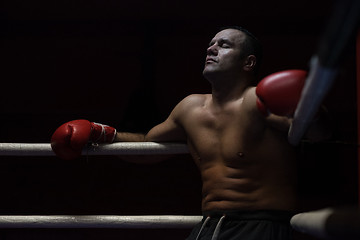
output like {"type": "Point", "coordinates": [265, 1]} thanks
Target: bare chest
{"type": "Point", "coordinates": [228, 138]}
{"type": "Point", "coordinates": [217, 136]}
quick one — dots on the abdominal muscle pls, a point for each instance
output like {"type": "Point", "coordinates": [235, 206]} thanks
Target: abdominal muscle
{"type": "Point", "coordinates": [242, 167]}
{"type": "Point", "coordinates": [247, 183]}
{"type": "Point", "coordinates": [224, 192]}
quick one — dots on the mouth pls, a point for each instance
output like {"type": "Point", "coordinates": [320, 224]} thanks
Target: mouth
{"type": "Point", "coordinates": [210, 60]}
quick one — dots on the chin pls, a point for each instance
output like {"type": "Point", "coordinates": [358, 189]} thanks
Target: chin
{"type": "Point", "coordinates": [209, 74]}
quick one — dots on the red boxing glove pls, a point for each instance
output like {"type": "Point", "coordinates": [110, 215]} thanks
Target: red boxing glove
{"type": "Point", "coordinates": [280, 92]}
{"type": "Point", "coordinates": [70, 138]}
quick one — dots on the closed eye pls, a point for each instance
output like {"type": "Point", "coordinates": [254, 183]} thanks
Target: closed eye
{"type": "Point", "coordinates": [225, 43]}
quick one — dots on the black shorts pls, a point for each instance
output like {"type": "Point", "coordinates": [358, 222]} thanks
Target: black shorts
{"type": "Point", "coordinates": [254, 225]}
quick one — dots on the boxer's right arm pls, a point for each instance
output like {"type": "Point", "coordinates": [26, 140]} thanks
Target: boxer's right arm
{"type": "Point", "coordinates": [129, 137]}
{"type": "Point", "coordinates": [168, 131]}
{"type": "Point", "coordinates": [163, 132]}
{"type": "Point", "coordinates": [70, 138]}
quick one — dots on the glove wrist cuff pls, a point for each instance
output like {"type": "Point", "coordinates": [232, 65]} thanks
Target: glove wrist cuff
{"type": "Point", "coordinates": [101, 133]}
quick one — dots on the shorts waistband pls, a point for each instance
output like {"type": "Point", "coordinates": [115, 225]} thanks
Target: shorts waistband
{"type": "Point", "coordinates": [272, 215]}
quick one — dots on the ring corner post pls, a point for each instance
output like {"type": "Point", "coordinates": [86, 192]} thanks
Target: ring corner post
{"type": "Point", "coordinates": [358, 104]}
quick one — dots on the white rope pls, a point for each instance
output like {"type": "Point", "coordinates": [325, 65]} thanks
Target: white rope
{"type": "Point", "coordinates": [99, 221]}
{"type": "Point", "coordinates": [329, 223]}
{"type": "Point", "coordinates": [119, 148]}
{"type": "Point", "coordinates": [312, 222]}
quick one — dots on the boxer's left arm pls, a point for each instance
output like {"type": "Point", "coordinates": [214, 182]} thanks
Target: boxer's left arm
{"type": "Point", "coordinates": [257, 119]}
{"type": "Point", "coordinates": [319, 129]}
{"type": "Point", "coordinates": [275, 100]}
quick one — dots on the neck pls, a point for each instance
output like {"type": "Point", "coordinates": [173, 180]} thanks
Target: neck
{"type": "Point", "coordinates": [233, 89]}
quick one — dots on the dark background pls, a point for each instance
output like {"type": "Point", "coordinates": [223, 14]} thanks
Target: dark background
{"type": "Point", "coordinates": [127, 64]}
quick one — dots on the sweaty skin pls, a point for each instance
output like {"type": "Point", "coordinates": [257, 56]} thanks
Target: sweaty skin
{"type": "Point", "coordinates": [245, 163]}
{"type": "Point", "coordinates": [244, 158]}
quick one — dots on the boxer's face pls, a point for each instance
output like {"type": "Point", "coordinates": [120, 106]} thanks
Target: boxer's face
{"type": "Point", "coordinates": [224, 54]}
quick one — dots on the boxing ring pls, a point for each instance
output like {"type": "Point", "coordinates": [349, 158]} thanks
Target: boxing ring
{"type": "Point", "coordinates": [100, 221]}
{"type": "Point", "coordinates": [323, 223]}
{"type": "Point", "coordinates": [124, 148]}
{"type": "Point", "coordinates": [97, 221]}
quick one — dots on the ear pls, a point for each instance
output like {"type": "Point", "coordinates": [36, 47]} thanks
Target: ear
{"type": "Point", "coordinates": [249, 63]}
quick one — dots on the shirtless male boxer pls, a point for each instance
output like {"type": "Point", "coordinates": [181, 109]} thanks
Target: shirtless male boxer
{"type": "Point", "coordinates": [239, 145]}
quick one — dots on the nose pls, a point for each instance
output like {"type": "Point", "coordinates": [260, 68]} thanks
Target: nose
{"type": "Point", "coordinates": [212, 50]}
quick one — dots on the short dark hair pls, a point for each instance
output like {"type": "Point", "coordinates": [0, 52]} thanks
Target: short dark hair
{"type": "Point", "coordinates": [251, 45]}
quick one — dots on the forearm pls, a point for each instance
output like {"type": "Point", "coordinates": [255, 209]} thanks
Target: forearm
{"type": "Point", "coordinates": [278, 122]}
{"type": "Point", "coordinates": [129, 137]}
{"type": "Point", "coordinates": [143, 159]}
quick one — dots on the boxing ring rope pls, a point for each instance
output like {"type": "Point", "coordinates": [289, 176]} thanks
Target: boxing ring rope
{"type": "Point", "coordinates": [324, 223]}
{"type": "Point", "coordinates": [97, 221]}
{"type": "Point", "coordinates": [329, 223]}
{"type": "Point", "coordinates": [316, 223]}
{"type": "Point", "coordinates": [100, 221]}
{"type": "Point", "coordinates": [123, 148]}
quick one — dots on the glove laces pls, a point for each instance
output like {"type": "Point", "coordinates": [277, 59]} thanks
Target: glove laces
{"type": "Point", "coordinates": [104, 134]}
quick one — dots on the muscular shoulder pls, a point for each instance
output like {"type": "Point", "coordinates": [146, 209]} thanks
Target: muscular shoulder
{"type": "Point", "coordinates": [195, 99]}
{"type": "Point", "coordinates": [172, 129]}
{"type": "Point", "coordinates": [187, 105]}
{"type": "Point", "coordinates": [249, 102]}
{"type": "Point", "coordinates": [273, 121]}
{"type": "Point", "coordinates": [191, 102]}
